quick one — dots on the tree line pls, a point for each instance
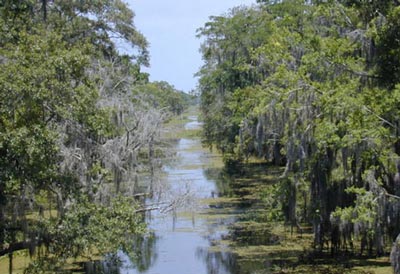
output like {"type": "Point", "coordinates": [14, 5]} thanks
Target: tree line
{"type": "Point", "coordinates": [78, 122]}
{"type": "Point", "coordinates": [314, 87]}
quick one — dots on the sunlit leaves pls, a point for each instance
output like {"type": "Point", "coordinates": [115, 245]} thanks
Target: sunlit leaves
{"type": "Point", "coordinates": [89, 226]}
{"type": "Point", "coordinates": [316, 102]}
{"type": "Point", "coordinates": [53, 125]}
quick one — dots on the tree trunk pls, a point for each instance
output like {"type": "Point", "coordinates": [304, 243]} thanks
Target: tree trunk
{"type": "Point", "coordinates": [319, 199]}
{"type": "Point", "coordinates": [151, 163]}
{"type": "Point", "coordinates": [292, 204]}
{"type": "Point", "coordinates": [44, 10]}
{"type": "Point", "coordinates": [10, 265]}
{"type": "Point", "coordinates": [395, 256]}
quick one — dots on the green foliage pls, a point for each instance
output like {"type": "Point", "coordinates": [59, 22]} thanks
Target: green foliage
{"type": "Point", "coordinates": [163, 95]}
{"type": "Point", "coordinates": [36, 91]}
{"type": "Point", "coordinates": [274, 199]}
{"type": "Point", "coordinates": [73, 122]}
{"type": "Point", "coordinates": [310, 85]}
{"type": "Point", "coordinates": [89, 227]}
{"type": "Point", "coordinates": [388, 48]}
{"type": "Point", "coordinates": [363, 214]}
{"type": "Point", "coordinates": [229, 49]}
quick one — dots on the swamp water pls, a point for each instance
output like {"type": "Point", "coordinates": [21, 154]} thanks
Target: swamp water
{"type": "Point", "coordinates": [226, 228]}
{"type": "Point", "coordinates": [182, 242]}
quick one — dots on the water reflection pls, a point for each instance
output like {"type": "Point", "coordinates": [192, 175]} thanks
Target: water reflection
{"type": "Point", "coordinates": [110, 265]}
{"type": "Point", "coordinates": [182, 242]}
{"type": "Point", "coordinates": [143, 254]}
{"type": "Point", "coordinates": [139, 258]}
{"type": "Point", "coordinates": [222, 179]}
{"type": "Point", "coordinates": [218, 262]}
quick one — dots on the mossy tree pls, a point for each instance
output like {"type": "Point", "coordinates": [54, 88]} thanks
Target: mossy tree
{"type": "Point", "coordinates": [320, 102]}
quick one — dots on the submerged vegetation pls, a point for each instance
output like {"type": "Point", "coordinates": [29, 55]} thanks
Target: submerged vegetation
{"type": "Point", "coordinates": [260, 241]}
{"type": "Point", "coordinates": [312, 87]}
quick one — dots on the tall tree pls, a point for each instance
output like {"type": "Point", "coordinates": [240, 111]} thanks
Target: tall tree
{"type": "Point", "coordinates": [71, 126]}
{"type": "Point", "coordinates": [322, 105]}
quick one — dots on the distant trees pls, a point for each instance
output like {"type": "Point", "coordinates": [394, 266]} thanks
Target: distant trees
{"type": "Point", "coordinates": [163, 95]}
{"type": "Point", "coordinates": [76, 124]}
{"type": "Point", "coordinates": [311, 85]}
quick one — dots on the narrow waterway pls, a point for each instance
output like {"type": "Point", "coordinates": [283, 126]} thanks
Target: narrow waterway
{"type": "Point", "coordinates": [183, 242]}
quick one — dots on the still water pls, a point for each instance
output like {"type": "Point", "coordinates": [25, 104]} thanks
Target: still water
{"type": "Point", "coordinates": [182, 242]}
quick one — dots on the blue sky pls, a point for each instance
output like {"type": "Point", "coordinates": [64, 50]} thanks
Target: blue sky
{"type": "Point", "coordinates": [170, 27]}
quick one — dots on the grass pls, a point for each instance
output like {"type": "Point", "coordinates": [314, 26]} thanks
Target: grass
{"type": "Point", "coordinates": [21, 261]}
